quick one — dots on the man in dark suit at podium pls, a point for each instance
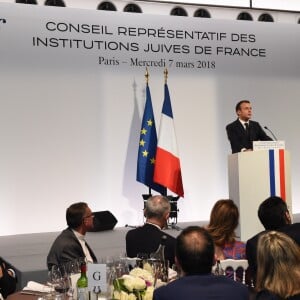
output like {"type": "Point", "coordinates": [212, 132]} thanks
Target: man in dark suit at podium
{"type": "Point", "coordinates": [243, 131]}
{"type": "Point", "coordinates": [274, 215]}
{"type": "Point", "coordinates": [146, 239]}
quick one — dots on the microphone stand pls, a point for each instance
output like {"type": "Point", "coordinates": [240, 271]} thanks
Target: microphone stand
{"type": "Point", "coordinates": [174, 226]}
{"type": "Point", "coordinates": [273, 135]}
{"type": "Point", "coordinates": [131, 226]}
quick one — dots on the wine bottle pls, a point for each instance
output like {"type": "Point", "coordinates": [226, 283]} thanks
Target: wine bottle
{"type": "Point", "coordinates": [82, 284]}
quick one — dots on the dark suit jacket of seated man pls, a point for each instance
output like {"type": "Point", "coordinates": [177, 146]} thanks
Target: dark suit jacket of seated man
{"type": "Point", "coordinates": [239, 138]}
{"type": "Point", "coordinates": [7, 279]}
{"type": "Point", "coordinates": [67, 246]}
{"type": "Point", "coordinates": [146, 239]}
{"type": "Point", "coordinates": [195, 258]}
{"type": "Point", "coordinates": [274, 215]}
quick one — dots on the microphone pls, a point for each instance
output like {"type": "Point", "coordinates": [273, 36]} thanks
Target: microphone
{"type": "Point", "coordinates": [273, 135]}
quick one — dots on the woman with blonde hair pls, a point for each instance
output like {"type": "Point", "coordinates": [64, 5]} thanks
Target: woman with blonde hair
{"type": "Point", "coordinates": [224, 219]}
{"type": "Point", "coordinates": [278, 268]}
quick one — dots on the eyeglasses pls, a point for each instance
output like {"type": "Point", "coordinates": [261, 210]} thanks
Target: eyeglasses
{"type": "Point", "coordinates": [89, 216]}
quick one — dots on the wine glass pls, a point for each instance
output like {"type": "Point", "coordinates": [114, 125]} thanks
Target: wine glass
{"type": "Point", "coordinates": [72, 269]}
{"type": "Point", "coordinates": [121, 268]}
{"type": "Point", "coordinates": [57, 278]}
{"type": "Point", "coordinates": [142, 258]}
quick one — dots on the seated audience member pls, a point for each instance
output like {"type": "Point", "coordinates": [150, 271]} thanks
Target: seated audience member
{"type": "Point", "coordinates": [278, 268]}
{"type": "Point", "coordinates": [70, 244]}
{"type": "Point", "coordinates": [146, 239]}
{"type": "Point", "coordinates": [195, 258]}
{"type": "Point", "coordinates": [7, 279]}
{"type": "Point", "coordinates": [274, 215]}
{"type": "Point", "coordinates": [224, 219]}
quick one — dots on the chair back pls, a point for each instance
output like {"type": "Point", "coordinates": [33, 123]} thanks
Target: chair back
{"type": "Point", "coordinates": [235, 264]}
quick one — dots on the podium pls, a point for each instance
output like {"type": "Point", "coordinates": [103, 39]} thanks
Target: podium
{"type": "Point", "coordinates": [253, 177]}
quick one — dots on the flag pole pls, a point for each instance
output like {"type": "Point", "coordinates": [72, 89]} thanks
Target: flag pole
{"type": "Point", "coordinates": [166, 75]}
{"type": "Point", "coordinates": [147, 75]}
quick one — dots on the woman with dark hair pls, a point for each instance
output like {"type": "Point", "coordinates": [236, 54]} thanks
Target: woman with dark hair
{"type": "Point", "coordinates": [278, 268]}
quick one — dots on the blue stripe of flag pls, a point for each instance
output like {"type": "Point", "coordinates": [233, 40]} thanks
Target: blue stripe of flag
{"type": "Point", "coordinates": [272, 173]}
{"type": "Point", "coordinates": [167, 107]}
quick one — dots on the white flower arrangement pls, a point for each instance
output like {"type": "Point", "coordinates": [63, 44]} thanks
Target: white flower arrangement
{"type": "Point", "coordinates": [137, 285]}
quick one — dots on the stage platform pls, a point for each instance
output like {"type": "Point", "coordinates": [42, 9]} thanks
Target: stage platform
{"type": "Point", "coordinates": [28, 252]}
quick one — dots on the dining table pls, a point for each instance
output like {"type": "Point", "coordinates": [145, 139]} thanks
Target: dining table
{"type": "Point", "coordinates": [21, 296]}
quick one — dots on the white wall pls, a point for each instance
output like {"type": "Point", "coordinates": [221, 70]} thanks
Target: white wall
{"type": "Point", "coordinates": [69, 127]}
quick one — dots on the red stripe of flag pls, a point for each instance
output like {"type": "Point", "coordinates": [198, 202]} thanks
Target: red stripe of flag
{"type": "Point", "coordinates": [282, 174]}
{"type": "Point", "coordinates": [169, 171]}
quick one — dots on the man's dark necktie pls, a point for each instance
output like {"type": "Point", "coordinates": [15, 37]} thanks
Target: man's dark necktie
{"type": "Point", "coordinates": [247, 130]}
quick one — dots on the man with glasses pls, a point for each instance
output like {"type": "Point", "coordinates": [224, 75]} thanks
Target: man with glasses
{"type": "Point", "coordinates": [70, 244]}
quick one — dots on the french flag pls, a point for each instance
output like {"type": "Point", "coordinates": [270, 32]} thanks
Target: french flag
{"type": "Point", "coordinates": [167, 170]}
{"type": "Point", "coordinates": [277, 173]}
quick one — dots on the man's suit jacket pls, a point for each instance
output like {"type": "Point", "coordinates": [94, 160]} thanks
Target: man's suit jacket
{"type": "Point", "coordinates": [292, 230]}
{"type": "Point", "coordinates": [238, 138]}
{"type": "Point", "coordinates": [65, 248]}
{"type": "Point", "coordinates": [7, 282]}
{"type": "Point", "coordinates": [202, 287]}
{"type": "Point", "coordinates": [146, 239]}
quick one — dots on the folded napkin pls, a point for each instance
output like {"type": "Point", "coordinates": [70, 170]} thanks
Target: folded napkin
{"type": "Point", "coordinates": [172, 274]}
{"type": "Point", "coordinates": [38, 287]}
{"type": "Point", "coordinates": [74, 278]}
